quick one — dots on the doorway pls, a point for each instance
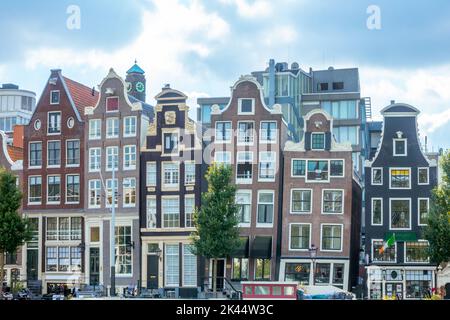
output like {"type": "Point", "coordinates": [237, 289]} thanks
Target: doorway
{"type": "Point", "coordinates": [152, 271]}
{"type": "Point", "coordinates": [32, 264]}
{"type": "Point", "coordinates": [94, 266]}
{"type": "Point", "coordinates": [394, 290]}
{"type": "Point", "coordinates": [220, 274]}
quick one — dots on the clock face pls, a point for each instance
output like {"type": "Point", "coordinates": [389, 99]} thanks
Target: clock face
{"type": "Point", "coordinates": [129, 86]}
{"type": "Point", "coordinates": [140, 87]}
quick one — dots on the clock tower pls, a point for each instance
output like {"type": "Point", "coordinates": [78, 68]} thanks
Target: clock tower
{"type": "Point", "coordinates": [136, 83]}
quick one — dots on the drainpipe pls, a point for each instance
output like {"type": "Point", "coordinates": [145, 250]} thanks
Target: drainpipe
{"type": "Point", "coordinates": [271, 82]}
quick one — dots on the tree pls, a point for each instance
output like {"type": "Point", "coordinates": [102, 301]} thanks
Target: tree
{"type": "Point", "coordinates": [438, 230]}
{"type": "Point", "coordinates": [217, 231]}
{"type": "Point", "coordinates": [14, 229]}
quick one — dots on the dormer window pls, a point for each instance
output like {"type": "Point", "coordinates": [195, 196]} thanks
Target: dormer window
{"type": "Point", "coordinates": [112, 104]}
{"type": "Point", "coordinates": [318, 141]}
{"type": "Point", "coordinates": [54, 97]}
{"type": "Point", "coordinates": [246, 106]}
{"type": "Point", "coordinates": [400, 149]}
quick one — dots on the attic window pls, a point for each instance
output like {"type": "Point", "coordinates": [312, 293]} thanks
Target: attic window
{"type": "Point", "coordinates": [323, 86]}
{"type": "Point", "coordinates": [338, 86]}
{"type": "Point", "coordinates": [112, 104]}
{"type": "Point", "coordinates": [54, 97]}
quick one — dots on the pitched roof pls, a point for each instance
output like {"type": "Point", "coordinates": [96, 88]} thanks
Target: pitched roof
{"type": "Point", "coordinates": [15, 153]}
{"type": "Point", "coordinates": [135, 69]}
{"type": "Point", "coordinates": [82, 95]}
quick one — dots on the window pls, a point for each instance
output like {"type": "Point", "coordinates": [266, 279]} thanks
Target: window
{"type": "Point", "coordinates": [322, 273]}
{"type": "Point", "coordinates": [170, 143]}
{"type": "Point", "coordinates": [54, 97]}
{"type": "Point", "coordinates": [189, 266]}
{"type": "Point", "coordinates": [95, 129]}
{"type": "Point", "coordinates": [112, 104]}
{"type": "Point", "coordinates": [244, 169]}
{"type": "Point", "coordinates": [400, 178]}
{"type": "Point", "coordinates": [110, 185]}
{"type": "Point", "coordinates": [338, 273]}
{"type": "Point", "coordinates": [189, 208]}
{"type": "Point", "coordinates": [170, 175]}
{"type": "Point", "coordinates": [377, 176]}
{"type": "Point", "coordinates": [331, 237]}
{"type": "Point", "coordinates": [129, 157]}
{"type": "Point", "coordinates": [265, 207]}
{"type": "Point", "coordinates": [35, 190]}
{"type": "Point", "coordinates": [245, 132]}
{"type": "Point", "coordinates": [282, 86]}
{"type": "Point", "coordinates": [53, 189]}
{"type": "Point", "coordinates": [416, 252]}
{"type": "Point", "coordinates": [112, 128]}
{"type": "Point", "coordinates": [129, 192]}
{"type": "Point", "coordinates": [95, 234]}
{"type": "Point", "coordinates": [64, 228]}
{"type": "Point", "coordinates": [333, 202]}
{"type": "Point", "coordinates": [400, 148]}
{"type": "Point", "coordinates": [73, 189]}
{"type": "Point", "coordinates": [337, 168]}
{"type": "Point", "coordinates": [338, 86]}
{"type": "Point", "coordinates": [262, 269]}
{"type": "Point", "coordinates": [298, 168]}
{"type": "Point", "coordinates": [222, 157]}
{"type": "Point", "coordinates": [171, 212]}
{"type": "Point", "coordinates": [35, 154]}
{"type": "Point", "coordinates": [424, 209]}
{"type": "Point", "coordinates": [301, 201]}
{"type": "Point", "coordinates": [244, 204]}
{"type": "Point", "coordinates": [389, 254]}
{"type": "Point", "coordinates": [73, 152]}
{"type": "Point", "coordinates": [317, 170]}
{"type": "Point", "coordinates": [240, 269]}
{"type": "Point", "coordinates": [268, 131]}
{"type": "Point", "coordinates": [343, 109]}
{"type": "Point", "coordinates": [346, 134]}
{"type": "Point", "coordinates": [54, 153]}
{"type": "Point", "coordinates": [323, 86]}
{"type": "Point", "coordinates": [94, 193]}
{"type": "Point", "coordinates": [223, 132]}
{"type": "Point", "coordinates": [267, 162]}
{"type": "Point", "coordinates": [418, 283]}
{"type": "Point", "coordinates": [246, 106]}
{"type": "Point", "coordinates": [54, 123]}
{"type": "Point", "coordinates": [129, 127]}
{"type": "Point", "coordinates": [172, 266]}
{"type": "Point", "coordinates": [151, 173]}
{"type": "Point", "coordinates": [75, 228]}
{"type": "Point", "coordinates": [423, 176]}
{"type": "Point", "coordinates": [151, 212]}
{"type": "Point", "coordinates": [63, 259]}
{"type": "Point", "coordinates": [300, 236]}
{"type": "Point", "coordinates": [400, 214]}
{"type": "Point", "coordinates": [124, 254]}
{"type": "Point", "coordinates": [318, 141]}
{"type": "Point", "coordinates": [52, 259]}
{"type": "Point", "coordinates": [75, 259]}
{"type": "Point", "coordinates": [297, 272]}
{"type": "Point", "coordinates": [189, 172]}
{"type": "Point", "coordinates": [377, 211]}
{"type": "Point", "coordinates": [95, 158]}
{"type": "Point", "coordinates": [112, 158]}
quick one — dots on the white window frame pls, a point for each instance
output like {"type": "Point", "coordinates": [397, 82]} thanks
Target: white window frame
{"type": "Point", "coordinates": [109, 121]}
{"type": "Point", "coordinates": [29, 188]}
{"type": "Point", "coordinates": [129, 147]}
{"type": "Point", "coordinates": [316, 181]}
{"type": "Point", "coordinates": [98, 152]}
{"type": "Point", "coordinates": [29, 154]}
{"type": "Point", "coordinates": [343, 202]}
{"type": "Point", "coordinates": [240, 112]}
{"type": "Point", "coordinates": [291, 202]}
{"type": "Point", "coordinates": [342, 236]}
{"type": "Point", "coordinates": [250, 193]}
{"type": "Point", "coordinates": [147, 213]}
{"type": "Point", "coordinates": [414, 262]}
{"type": "Point", "coordinates": [185, 246]}
{"type": "Point", "coordinates": [166, 284]}
{"type": "Point", "coordinates": [106, 159]}
{"type": "Point", "coordinates": [79, 185]}
{"type": "Point", "coordinates": [343, 168]}
{"type": "Point", "coordinates": [172, 185]}
{"type": "Point", "coordinates": [390, 178]}
{"type": "Point", "coordinates": [372, 175]}
{"type": "Point", "coordinates": [265, 225]}
{"type": "Point", "coordinates": [132, 205]}
{"type": "Point", "coordinates": [60, 189]}
{"type": "Point", "coordinates": [189, 196]}
{"type": "Point", "coordinates": [60, 155]}
{"type": "Point", "coordinates": [93, 124]}
{"type": "Point", "coordinates": [418, 211]}
{"type": "Point", "coordinates": [372, 213]}
{"type": "Point", "coordinates": [428, 176]}
{"type": "Point", "coordinates": [216, 135]}
{"type": "Point", "coordinates": [242, 143]}
{"type": "Point", "coordinates": [372, 252]}
{"type": "Point", "coordinates": [324, 141]}
{"type": "Point", "coordinates": [292, 168]}
{"type": "Point", "coordinates": [310, 236]}
{"type": "Point", "coordinates": [177, 200]}
{"type": "Point", "coordinates": [67, 149]}
{"type": "Point", "coordinates": [394, 153]}
{"type": "Point", "coordinates": [48, 124]}
{"type": "Point", "coordinates": [125, 134]}
{"type": "Point", "coordinates": [99, 193]}
{"type": "Point", "coordinates": [178, 144]}
{"type": "Point", "coordinates": [59, 97]}
{"type": "Point", "coordinates": [390, 214]}
{"type": "Point", "coordinates": [273, 155]}
{"type": "Point", "coordinates": [225, 154]}
{"type": "Point", "coordinates": [190, 182]}
{"type": "Point", "coordinates": [114, 183]}
{"type": "Point", "coordinates": [261, 140]}
{"type": "Point", "coordinates": [147, 173]}
{"type": "Point", "coordinates": [241, 180]}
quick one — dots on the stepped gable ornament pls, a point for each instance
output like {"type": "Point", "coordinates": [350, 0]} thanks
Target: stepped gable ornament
{"type": "Point", "coordinates": [170, 117]}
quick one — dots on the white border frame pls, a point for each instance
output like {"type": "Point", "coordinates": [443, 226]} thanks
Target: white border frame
{"type": "Point", "coordinates": [393, 147]}
{"type": "Point", "coordinates": [390, 178]}
{"type": "Point", "coordinates": [52, 203]}
{"type": "Point", "coordinates": [343, 202]}
{"type": "Point", "coordinates": [250, 192]}
{"type": "Point", "coordinates": [295, 213]}
{"type": "Point", "coordinates": [390, 213]}
{"type": "Point", "coordinates": [89, 194]}
{"type": "Point", "coordinates": [240, 112]}
{"type": "Point", "coordinates": [310, 236]}
{"type": "Point", "coordinates": [125, 135]}
{"type": "Point", "coordinates": [89, 160]}
{"type": "Point", "coordinates": [428, 176]}
{"type": "Point", "coordinates": [29, 155]}
{"type": "Point", "coordinates": [89, 129]}
{"type": "Point", "coordinates": [342, 236]}
{"type": "Point", "coordinates": [79, 183]}
{"type": "Point", "coordinates": [215, 133]}
{"type": "Point", "coordinates": [292, 168]}
{"type": "Point", "coordinates": [265, 225]}
{"type": "Point", "coordinates": [59, 97]}
{"type": "Point", "coordinates": [371, 212]}
{"type": "Point", "coordinates": [372, 175]}
{"type": "Point", "coordinates": [29, 186]}
{"type": "Point", "coordinates": [132, 168]}
{"type": "Point", "coordinates": [415, 262]}
{"type": "Point", "coordinates": [252, 162]}
{"type": "Point", "coordinates": [48, 123]}
{"type": "Point", "coordinates": [372, 252]}
{"type": "Point", "coordinates": [107, 127]}
{"type": "Point", "coordinates": [60, 158]}
{"type": "Point", "coordinates": [261, 140]}
{"type": "Point", "coordinates": [67, 149]}
{"type": "Point", "coordinates": [418, 211]}
{"type": "Point", "coordinates": [324, 141]}
{"type": "Point", "coordinates": [274, 154]}
{"type": "Point", "coordinates": [254, 134]}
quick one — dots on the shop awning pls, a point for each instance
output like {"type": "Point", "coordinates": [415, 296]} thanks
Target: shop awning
{"type": "Point", "coordinates": [242, 250]}
{"type": "Point", "coordinates": [401, 236]}
{"type": "Point", "coordinates": [262, 248]}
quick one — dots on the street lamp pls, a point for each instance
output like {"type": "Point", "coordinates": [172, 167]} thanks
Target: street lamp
{"type": "Point", "coordinates": [313, 254]}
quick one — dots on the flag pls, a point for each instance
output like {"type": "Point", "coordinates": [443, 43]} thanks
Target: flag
{"type": "Point", "coordinates": [389, 243]}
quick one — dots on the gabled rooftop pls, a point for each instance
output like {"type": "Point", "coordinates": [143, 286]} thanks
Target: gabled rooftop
{"type": "Point", "coordinates": [82, 95]}
{"type": "Point", "coordinates": [135, 69]}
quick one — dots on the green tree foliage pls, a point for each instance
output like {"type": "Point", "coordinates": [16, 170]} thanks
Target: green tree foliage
{"type": "Point", "coordinates": [438, 230]}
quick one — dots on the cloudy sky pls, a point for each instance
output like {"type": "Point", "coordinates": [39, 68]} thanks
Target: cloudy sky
{"type": "Point", "coordinates": [202, 47]}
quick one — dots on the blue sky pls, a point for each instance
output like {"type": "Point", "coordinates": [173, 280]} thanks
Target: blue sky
{"type": "Point", "coordinates": [202, 47]}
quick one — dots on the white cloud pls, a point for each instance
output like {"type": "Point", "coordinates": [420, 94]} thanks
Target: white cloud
{"type": "Point", "coordinates": [279, 35]}
{"type": "Point", "coordinates": [251, 9]}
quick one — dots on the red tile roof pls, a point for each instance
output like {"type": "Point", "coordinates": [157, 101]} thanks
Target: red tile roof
{"type": "Point", "coordinates": [81, 95]}
{"type": "Point", "coordinates": [15, 153]}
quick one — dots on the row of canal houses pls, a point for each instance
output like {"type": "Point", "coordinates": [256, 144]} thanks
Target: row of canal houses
{"type": "Point", "coordinates": [302, 205]}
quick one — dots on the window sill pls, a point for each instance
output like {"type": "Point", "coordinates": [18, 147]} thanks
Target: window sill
{"type": "Point", "coordinates": [34, 168]}
{"type": "Point", "coordinates": [264, 225]}
{"type": "Point", "coordinates": [53, 167]}
{"type": "Point", "coordinates": [72, 165]}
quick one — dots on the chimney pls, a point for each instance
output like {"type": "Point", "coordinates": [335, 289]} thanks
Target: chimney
{"type": "Point", "coordinates": [392, 101]}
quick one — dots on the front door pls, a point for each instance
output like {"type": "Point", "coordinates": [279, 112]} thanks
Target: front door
{"type": "Point", "coordinates": [394, 290]}
{"type": "Point", "coordinates": [152, 271]}
{"type": "Point", "coordinates": [32, 264]}
{"type": "Point", "coordinates": [94, 266]}
{"type": "Point", "coordinates": [220, 274]}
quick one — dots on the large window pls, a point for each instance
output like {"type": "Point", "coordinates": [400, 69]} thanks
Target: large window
{"type": "Point", "coordinates": [94, 193]}
{"type": "Point", "coordinates": [347, 134]}
{"type": "Point", "coordinates": [341, 109]}
{"type": "Point", "coordinates": [151, 174]}
{"type": "Point", "coordinates": [95, 158]}
{"type": "Point", "coordinates": [170, 143]}
{"type": "Point", "coordinates": [322, 273]}
{"type": "Point", "coordinates": [244, 203]}
{"type": "Point", "coordinates": [262, 269]}
{"type": "Point", "coordinates": [170, 175]}
{"type": "Point", "coordinates": [63, 259]}
{"type": "Point", "coordinates": [35, 190]}
{"type": "Point", "coordinates": [400, 215]}
{"type": "Point", "coordinates": [171, 212]}
{"type": "Point", "coordinates": [129, 192]}
{"type": "Point", "coordinates": [223, 131]}
{"type": "Point", "coordinates": [317, 170]}
{"type": "Point", "coordinates": [265, 207]}
{"type": "Point", "coordinates": [377, 211]}
{"type": "Point", "coordinates": [35, 154]}
{"type": "Point", "coordinates": [240, 269]}
{"type": "Point", "coordinates": [189, 208]}
{"type": "Point", "coordinates": [53, 189]}
{"type": "Point", "coordinates": [129, 128]}
{"type": "Point", "coordinates": [124, 254]}
{"type": "Point", "coordinates": [297, 272]}
{"type": "Point", "coordinates": [418, 283]}
{"type": "Point", "coordinates": [244, 170]}
{"type": "Point", "coordinates": [301, 201]}
{"type": "Point", "coordinates": [400, 178]}
{"type": "Point", "coordinates": [300, 235]}
{"type": "Point", "coordinates": [331, 237]}
{"type": "Point", "coordinates": [54, 123]}
{"type": "Point", "coordinates": [95, 129]}
{"type": "Point", "coordinates": [416, 252]}
{"type": "Point", "coordinates": [189, 266]}
{"type": "Point", "coordinates": [189, 172]}
{"type": "Point", "coordinates": [333, 202]}
{"type": "Point", "coordinates": [424, 208]}
{"type": "Point", "coordinates": [73, 153]}
{"type": "Point", "coordinates": [267, 163]}
{"type": "Point", "coordinates": [129, 157]}
{"type": "Point", "coordinates": [268, 131]}
{"type": "Point", "coordinates": [112, 158]}
{"type": "Point", "coordinates": [112, 128]}
{"type": "Point", "coordinates": [388, 255]}
{"type": "Point", "coordinates": [298, 168]}
{"type": "Point", "coordinates": [318, 141]}
{"type": "Point", "coordinates": [54, 153]}
{"type": "Point", "coordinates": [151, 212]}
{"type": "Point", "coordinates": [172, 266]}
{"type": "Point", "coordinates": [64, 228]}
{"type": "Point", "coordinates": [245, 132]}
{"type": "Point", "coordinates": [72, 188]}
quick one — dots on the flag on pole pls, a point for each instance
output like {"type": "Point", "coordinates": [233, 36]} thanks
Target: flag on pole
{"type": "Point", "coordinates": [389, 243]}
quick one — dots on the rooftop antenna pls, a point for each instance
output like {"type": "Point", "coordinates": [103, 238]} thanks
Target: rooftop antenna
{"type": "Point", "coordinates": [426, 144]}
